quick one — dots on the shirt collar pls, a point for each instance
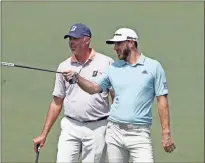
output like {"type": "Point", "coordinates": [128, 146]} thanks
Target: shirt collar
{"type": "Point", "coordinates": [139, 62]}
{"type": "Point", "coordinates": [91, 57]}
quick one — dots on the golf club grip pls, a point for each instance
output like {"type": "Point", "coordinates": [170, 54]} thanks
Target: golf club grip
{"type": "Point", "coordinates": [37, 156]}
{"type": "Point", "coordinates": [34, 68]}
{"type": "Point", "coordinates": [37, 153]}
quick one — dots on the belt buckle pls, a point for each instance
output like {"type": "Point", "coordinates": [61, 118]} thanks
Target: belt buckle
{"type": "Point", "coordinates": [123, 126]}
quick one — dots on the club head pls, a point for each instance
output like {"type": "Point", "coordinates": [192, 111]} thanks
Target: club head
{"type": "Point", "coordinates": [7, 64]}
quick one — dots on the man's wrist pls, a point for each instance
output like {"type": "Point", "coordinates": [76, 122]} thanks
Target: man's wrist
{"type": "Point", "coordinates": [166, 132]}
{"type": "Point", "coordinates": [44, 133]}
{"type": "Point", "coordinates": [74, 78]}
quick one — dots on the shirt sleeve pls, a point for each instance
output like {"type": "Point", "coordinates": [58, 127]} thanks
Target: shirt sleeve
{"type": "Point", "coordinates": [160, 82]}
{"type": "Point", "coordinates": [59, 88]}
{"type": "Point", "coordinates": [103, 81]}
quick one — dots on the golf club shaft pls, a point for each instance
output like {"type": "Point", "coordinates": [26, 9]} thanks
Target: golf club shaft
{"type": "Point", "coordinates": [34, 68]}
{"type": "Point", "coordinates": [27, 67]}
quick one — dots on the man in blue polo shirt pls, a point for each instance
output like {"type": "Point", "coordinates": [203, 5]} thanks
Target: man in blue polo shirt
{"type": "Point", "coordinates": [136, 81]}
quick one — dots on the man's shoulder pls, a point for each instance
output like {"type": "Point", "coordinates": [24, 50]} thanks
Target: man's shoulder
{"type": "Point", "coordinates": [65, 63]}
{"type": "Point", "coordinates": [152, 62]}
{"type": "Point", "coordinates": [103, 56]}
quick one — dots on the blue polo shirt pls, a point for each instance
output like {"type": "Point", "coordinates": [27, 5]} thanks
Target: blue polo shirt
{"type": "Point", "coordinates": [135, 88]}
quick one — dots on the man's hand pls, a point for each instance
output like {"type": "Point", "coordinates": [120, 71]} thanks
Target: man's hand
{"type": "Point", "coordinates": [168, 143]}
{"type": "Point", "coordinates": [39, 140]}
{"type": "Point", "coordinates": [163, 110]}
{"type": "Point", "coordinates": [68, 75]}
{"type": "Point", "coordinates": [53, 112]}
{"type": "Point", "coordinates": [73, 77]}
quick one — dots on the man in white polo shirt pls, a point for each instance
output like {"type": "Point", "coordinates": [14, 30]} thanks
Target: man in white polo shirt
{"type": "Point", "coordinates": [84, 125]}
{"type": "Point", "coordinates": [136, 81]}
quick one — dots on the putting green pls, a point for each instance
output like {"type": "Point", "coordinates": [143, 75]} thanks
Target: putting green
{"type": "Point", "coordinates": [32, 35]}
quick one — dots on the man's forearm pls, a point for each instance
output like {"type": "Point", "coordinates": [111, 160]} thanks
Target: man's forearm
{"type": "Point", "coordinates": [164, 119]}
{"type": "Point", "coordinates": [88, 86]}
{"type": "Point", "coordinates": [52, 115]}
{"type": "Point", "coordinates": [163, 110]}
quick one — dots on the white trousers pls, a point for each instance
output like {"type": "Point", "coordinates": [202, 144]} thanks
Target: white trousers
{"type": "Point", "coordinates": [86, 138]}
{"type": "Point", "coordinates": [123, 142]}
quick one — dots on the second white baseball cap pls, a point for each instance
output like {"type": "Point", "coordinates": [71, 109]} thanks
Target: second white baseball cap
{"type": "Point", "coordinates": [123, 34]}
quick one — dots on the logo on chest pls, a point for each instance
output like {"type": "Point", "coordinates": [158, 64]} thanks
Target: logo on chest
{"type": "Point", "coordinates": [144, 72]}
{"type": "Point", "coordinates": [95, 73]}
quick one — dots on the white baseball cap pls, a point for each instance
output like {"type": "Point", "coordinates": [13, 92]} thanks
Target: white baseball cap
{"type": "Point", "coordinates": [123, 34]}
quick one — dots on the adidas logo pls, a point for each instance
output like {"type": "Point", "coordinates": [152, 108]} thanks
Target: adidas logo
{"type": "Point", "coordinates": [144, 72]}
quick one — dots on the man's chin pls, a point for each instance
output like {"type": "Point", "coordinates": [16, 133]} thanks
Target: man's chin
{"type": "Point", "coordinates": [121, 57]}
{"type": "Point", "coordinates": [74, 52]}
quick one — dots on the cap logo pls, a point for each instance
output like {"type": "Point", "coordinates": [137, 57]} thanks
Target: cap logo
{"type": "Point", "coordinates": [73, 28]}
{"type": "Point", "coordinates": [128, 37]}
{"type": "Point", "coordinates": [117, 34]}
{"type": "Point", "coordinates": [131, 38]}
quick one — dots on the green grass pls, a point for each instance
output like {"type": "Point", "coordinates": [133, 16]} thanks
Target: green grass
{"type": "Point", "coordinates": [32, 34]}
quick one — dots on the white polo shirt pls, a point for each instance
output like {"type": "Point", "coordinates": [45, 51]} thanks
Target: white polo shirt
{"type": "Point", "coordinates": [78, 104]}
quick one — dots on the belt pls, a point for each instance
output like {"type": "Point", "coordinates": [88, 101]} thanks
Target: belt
{"type": "Point", "coordinates": [130, 126]}
{"type": "Point", "coordinates": [100, 119]}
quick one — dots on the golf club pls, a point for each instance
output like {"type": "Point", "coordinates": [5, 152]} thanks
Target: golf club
{"type": "Point", "coordinates": [37, 153]}
{"type": "Point", "coordinates": [27, 67]}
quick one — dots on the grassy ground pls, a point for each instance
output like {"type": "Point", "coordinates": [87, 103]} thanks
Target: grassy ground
{"type": "Point", "coordinates": [32, 34]}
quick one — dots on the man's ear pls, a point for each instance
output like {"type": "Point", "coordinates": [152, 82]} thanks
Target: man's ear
{"type": "Point", "coordinates": [87, 40]}
{"type": "Point", "coordinates": [131, 43]}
